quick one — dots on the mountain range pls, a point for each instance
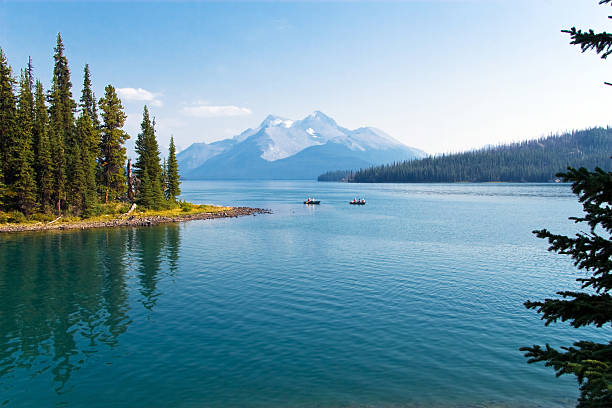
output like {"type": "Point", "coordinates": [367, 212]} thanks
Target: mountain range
{"type": "Point", "coordinates": [281, 148]}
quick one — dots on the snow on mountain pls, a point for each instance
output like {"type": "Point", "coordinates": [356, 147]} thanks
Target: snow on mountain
{"type": "Point", "coordinates": [282, 148]}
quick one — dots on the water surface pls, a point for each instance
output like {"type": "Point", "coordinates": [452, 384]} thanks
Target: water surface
{"type": "Point", "coordinates": [412, 300]}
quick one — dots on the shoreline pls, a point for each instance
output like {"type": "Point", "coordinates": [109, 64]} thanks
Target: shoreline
{"type": "Point", "coordinates": [134, 221]}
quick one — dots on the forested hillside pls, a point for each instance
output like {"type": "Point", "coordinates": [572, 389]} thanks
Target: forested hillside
{"type": "Point", "coordinates": [529, 161]}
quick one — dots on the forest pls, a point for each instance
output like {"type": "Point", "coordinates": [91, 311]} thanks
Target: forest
{"type": "Point", "coordinates": [527, 161]}
{"type": "Point", "coordinates": [60, 157]}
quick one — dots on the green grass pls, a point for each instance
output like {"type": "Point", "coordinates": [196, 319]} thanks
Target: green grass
{"type": "Point", "coordinates": [110, 212]}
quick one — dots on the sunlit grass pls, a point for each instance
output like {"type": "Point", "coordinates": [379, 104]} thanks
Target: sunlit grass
{"type": "Point", "coordinates": [110, 212]}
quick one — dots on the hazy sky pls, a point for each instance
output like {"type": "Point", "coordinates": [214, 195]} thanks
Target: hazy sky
{"type": "Point", "coordinates": [438, 75]}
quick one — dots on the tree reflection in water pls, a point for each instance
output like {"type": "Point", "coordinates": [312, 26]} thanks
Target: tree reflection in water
{"type": "Point", "coordinates": [65, 296]}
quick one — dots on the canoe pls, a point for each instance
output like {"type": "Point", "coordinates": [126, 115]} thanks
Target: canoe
{"type": "Point", "coordinates": [312, 202]}
{"type": "Point", "coordinates": [356, 203]}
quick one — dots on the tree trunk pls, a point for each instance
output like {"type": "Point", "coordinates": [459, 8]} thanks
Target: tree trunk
{"type": "Point", "coordinates": [130, 181]}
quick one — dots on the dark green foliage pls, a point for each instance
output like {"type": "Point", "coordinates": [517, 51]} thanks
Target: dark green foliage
{"type": "Point", "coordinates": [147, 166]}
{"type": "Point", "coordinates": [22, 157]}
{"type": "Point", "coordinates": [61, 112]}
{"type": "Point", "coordinates": [164, 176]}
{"type": "Point", "coordinates": [50, 161]}
{"type": "Point", "coordinates": [88, 99]}
{"type": "Point", "coordinates": [601, 43]}
{"type": "Point", "coordinates": [62, 106]}
{"type": "Point", "coordinates": [89, 136]}
{"type": "Point", "coordinates": [43, 164]}
{"type": "Point", "coordinates": [2, 189]}
{"type": "Point", "coordinates": [112, 151]}
{"type": "Point", "coordinates": [59, 168]}
{"type": "Point", "coordinates": [530, 161]}
{"type": "Point", "coordinates": [338, 175]}
{"type": "Point", "coordinates": [591, 251]}
{"type": "Point", "coordinates": [589, 40]}
{"type": "Point", "coordinates": [8, 116]}
{"type": "Point", "coordinates": [173, 189]}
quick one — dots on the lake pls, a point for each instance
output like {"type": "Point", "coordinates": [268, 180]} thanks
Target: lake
{"type": "Point", "coordinates": [413, 300]}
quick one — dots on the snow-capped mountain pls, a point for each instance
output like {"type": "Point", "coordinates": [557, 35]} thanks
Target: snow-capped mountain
{"type": "Point", "coordinates": [281, 148]}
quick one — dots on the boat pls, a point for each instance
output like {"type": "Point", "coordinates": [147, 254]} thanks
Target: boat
{"type": "Point", "coordinates": [309, 202]}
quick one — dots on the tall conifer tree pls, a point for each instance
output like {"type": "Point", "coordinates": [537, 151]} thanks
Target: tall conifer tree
{"type": "Point", "coordinates": [174, 189]}
{"type": "Point", "coordinates": [8, 115]}
{"type": "Point", "coordinates": [147, 166]}
{"type": "Point", "coordinates": [59, 168]}
{"type": "Point", "coordinates": [87, 135]}
{"type": "Point", "coordinates": [21, 149]}
{"type": "Point", "coordinates": [2, 189]}
{"type": "Point", "coordinates": [112, 152]}
{"type": "Point", "coordinates": [62, 105]}
{"type": "Point", "coordinates": [43, 165]}
{"type": "Point", "coordinates": [61, 109]}
{"type": "Point", "coordinates": [88, 99]}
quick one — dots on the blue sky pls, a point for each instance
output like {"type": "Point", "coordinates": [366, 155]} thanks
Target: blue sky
{"type": "Point", "coordinates": [442, 76]}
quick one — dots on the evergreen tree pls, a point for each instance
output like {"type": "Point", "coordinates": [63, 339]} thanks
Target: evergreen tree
{"type": "Point", "coordinates": [174, 183]}
{"type": "Point", "coordinates": [2, 189]}
{"type": "Point", "coordinates": [145, 195]}
{"type": "Point", "coordinates": [22, 157]}
{"type": "Point", "coordinates": [59, 168]}
{"type": "Point", "coordinates": [601, 43]}
{"type": "Point", "coordinates": [147, 166]}
{"type": "Point", "coordinates": [86, 158]}
{"type": "Point", "coordinates": [8, 116]}
{"type": "Point", "coordinates": [591, 251]}
{"type": "Point", "coordinates": [88, 99]}
{"type": "Point", "coordinates": [62, 105]}
{"type": "Point", "coordinates": [164, 178]}
{"type": "Point", "coordinates": [78, 183]}
{"type": "Point", "coordinates": [112, 152]}
{"type": "Point", "coordinates": [43, 165]}
{"type": "Point", "coordinates": [61, 109]}
{"type": "Point", "coordinates": [590, 362]}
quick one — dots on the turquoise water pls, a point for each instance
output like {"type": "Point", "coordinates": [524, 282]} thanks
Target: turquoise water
{"type": "Point", "coordinates": [414, 300]}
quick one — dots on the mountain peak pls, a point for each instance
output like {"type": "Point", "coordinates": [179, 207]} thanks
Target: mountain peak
{"type": "Point", "coordinates": [320, 116]}
{"type": "Point", "coordinates": [272, 120]}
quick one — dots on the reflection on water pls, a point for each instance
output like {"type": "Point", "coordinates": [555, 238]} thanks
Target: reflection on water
{"type": "Point", "coordinates": [60, 307]}
{"type": "Point", "coordinates": [415, 299]}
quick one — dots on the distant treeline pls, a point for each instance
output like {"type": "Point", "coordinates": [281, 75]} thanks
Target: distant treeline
{"type": "Point", "coordinates": [529, 161]}
{"type": "Point", "coordinates": [59, 156]}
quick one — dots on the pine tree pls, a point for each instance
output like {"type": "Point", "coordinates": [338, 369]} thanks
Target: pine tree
{"type": "Point", "coordinates": [112, 152]}
{"type": "Point", "coordinates": [62, 106]}
{"type": "Point", "coordinates": [21, 150]}
{"type": "Point", "coordinates": [590, 362]}
{"type": "Point", "coordinates": [147, 167]}
{"type": "Point", "coordinates": [59, 168]}
{"type": "Point", "coordinates": [8, 116]}
{"type": "Point", "coordinates": [2, 189]}
{"type": "Point", "coordinates": [78, 183]}
{"type": "Point", "coordinates": [601, 43]}
{"type": "Point", "coordinates": [88, 99]}
{"type": "Point", "coordinates": [61, 110]}
{"type": "Point", "coordinates": [145, 194]}
{"type": "Point", "coordinates": [174, 183]}
{"type": "Point", "coordinates": [43, 164]}
{"type": "Point", "coordinates": [86, 159]}
{"type": "Point", "coordinates": [164, 178]}
{"type": "Point", "coordinates": [591, 251]}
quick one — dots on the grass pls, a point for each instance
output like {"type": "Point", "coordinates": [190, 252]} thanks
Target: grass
{"type": "Point", "coordinates": [111, 211]}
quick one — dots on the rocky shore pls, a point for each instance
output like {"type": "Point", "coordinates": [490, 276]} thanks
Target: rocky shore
{"type": "Point", "coordinates": [134, 221]}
